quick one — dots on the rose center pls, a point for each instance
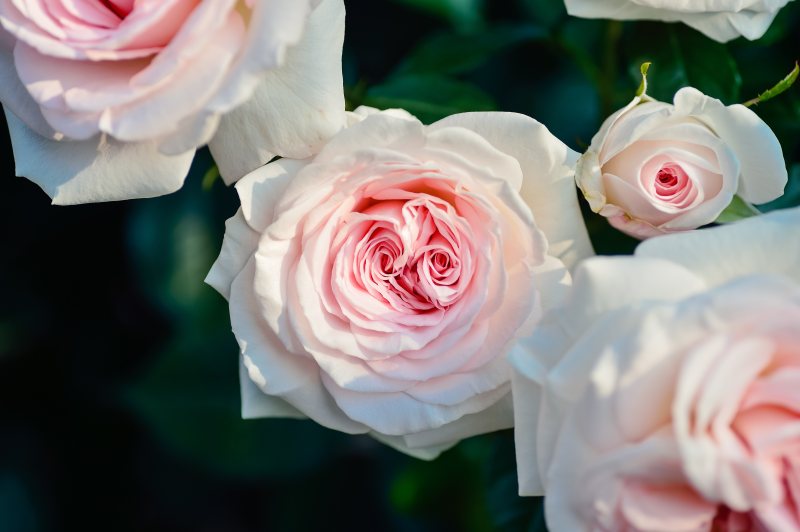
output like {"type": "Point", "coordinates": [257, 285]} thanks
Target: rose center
{"type": "Point", "coordinates": [672, 185]}
{"type": "Point", "coordinates": [667, 177]}
{"type": "Point", "coordinates": [121, 8]}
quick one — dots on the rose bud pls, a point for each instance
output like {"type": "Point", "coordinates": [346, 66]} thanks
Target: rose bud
{"type": "Point", "coordinates": [656, 168]}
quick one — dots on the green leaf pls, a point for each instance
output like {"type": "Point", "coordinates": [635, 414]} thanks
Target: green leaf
{"type": "Point", "coordinates": [464, 14]}
{"type": "Point", "coordinates": [189, 398]}
{"type": "Point", "coordinates": [642, 90]}
{"type": "Point", "coordinates": [779, 88]}
{"type": "Point", "coordinates": [546, 12]}
{"type": "Point", "coordinates": [737, 210]}
{"type": "Point", "coordinates": [452, 53]}
{"type": "Point", "coordinates": [429, 97]}
{"type": "Point", "coordinates": [683, 57]}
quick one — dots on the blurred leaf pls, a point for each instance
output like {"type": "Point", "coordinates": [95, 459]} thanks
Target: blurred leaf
{"type": "Point", "coordinates": [508, 510]}
{"type": "Point", "coordinates": [210, 177]}
{"type": "Point", "coordinates": [791, 195]}
{"type": "Point", "coordinates": [464, 14]}
{"type": "Point", "coordinates": [175, 240]}
{"type": "Point", "coordinates": [737, 210]}
{"type": "Point", "coordinates": [190, 399]}
{"type": "Point", "coordinates": [546, 12]}
{"type": "Point", "coordinates": [430, 97]}
{"type": "Point", "coordinates": [683, 57]}
{"type": "Point", "coordinates": [452, 53]}
{"type": "Point", "coordinates": [17, 511]}
{"type": "Point", "coordinates": [779, 88]}
{"type": "Point", "coordinates": [434, 489]}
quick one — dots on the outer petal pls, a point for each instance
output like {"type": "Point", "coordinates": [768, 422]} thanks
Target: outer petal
{"type": "Point", "coordinates": [718, 25]}
{"type": "Point", "coordinates": [273, 369]}
{"type": "Point", "coordinates": [548, 176]}
{"type": "Point", "coordinates": [13, 93]}
{"type": "Point", "coordinates": [256, 404]}
{"type": "Point", "coordinates": [499, 416]}
{"type": "Point", "coordinates": [296, 107]}
{"type": "Point", "coordinates": [98, 169]}
{"type": "Point", "coordinates": [238, 245]}
{"type": "Point", "coordinates": [544, 384]}
{"type": "Point", "coordinates": [400, 443]}
{"type": "Point", "coordinates": [765, 244]}
{"type": "Point", "coordinates": [763, 170]}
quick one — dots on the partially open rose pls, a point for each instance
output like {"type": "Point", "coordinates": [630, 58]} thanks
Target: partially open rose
{"type": "Point", "coordinates": [722, 20]}
{"type": "Point", "coordinates": [378, 286]}
{"type": "Point", "coordinates": [656, 168]}
{"type": "Point", "coordinates": [109, 99]}
{"type": "Point", "coordinates": [664, 395]}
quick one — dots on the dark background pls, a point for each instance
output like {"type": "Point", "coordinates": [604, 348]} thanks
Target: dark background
{"type": "Point", "coordinates": [119, 406]}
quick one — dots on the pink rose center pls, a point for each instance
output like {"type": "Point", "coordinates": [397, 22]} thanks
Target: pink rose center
{"type": "Point", "coordinates": [673, 185]}
{"type": "Point", "coordinates": [121, 8]}
{"type": "Point", "coordinates": [412, 249]}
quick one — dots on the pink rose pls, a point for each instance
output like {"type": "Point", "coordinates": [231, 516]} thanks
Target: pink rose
{"type": "Point", "coordinates": [656, 168]}
{"type": "Point", "coordinates": [109, 100]}
{"type": "Point", "coordinates": [664, 394]}
{"type": "Point", "coordinates": [377, 287]}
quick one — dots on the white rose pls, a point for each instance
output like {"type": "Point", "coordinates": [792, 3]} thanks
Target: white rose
{"type": "Point", "coordinates": [109, 100]}
{"type": "Point", "coordinates": [377, 286]}
{"type": "Point", "coordinates": [656, 168]}
{"type": "Point", "coordinates": [663, 395]}
{"type": "Point", "coordinates": [722, 20]}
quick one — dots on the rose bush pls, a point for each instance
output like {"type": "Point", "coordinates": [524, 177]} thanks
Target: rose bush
{"type": "Point", "coordinates": [663, 395]}
{"type": "Point", "coordinates": [721, 20]}
{"type": "Point", "coordinates": [656, 168]}
{"type": "Point", "coordinates": [377, 286]}
{"type": "Point", "coordinates": [109, 100]}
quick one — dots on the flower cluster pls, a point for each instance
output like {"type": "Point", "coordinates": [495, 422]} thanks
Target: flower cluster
{"type": "Point", "coordinates": [427, 283]}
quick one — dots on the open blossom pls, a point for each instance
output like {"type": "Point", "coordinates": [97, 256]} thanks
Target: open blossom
{"type": "Point", "coordinates": [108, 100]}
{"type": "Point", "coordinates": [656, 168]}
{"type": "Point", "coordinates": [721, 20]}
{"type": "Point", "coordinates": [664, 394]}
{"type": "Point", "coordinates": [377, 287]}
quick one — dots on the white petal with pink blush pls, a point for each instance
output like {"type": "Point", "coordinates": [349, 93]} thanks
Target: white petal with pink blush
{"type": "Point", "coordinates": [144, 73]}
{"type": "Point", "coordinates": [377, 286]}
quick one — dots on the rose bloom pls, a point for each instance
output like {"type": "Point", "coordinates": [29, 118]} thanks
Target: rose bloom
{"type": "Point", "coordinates": [721, 20]}
{"type": "Point", "coordinates": [656, 168]}
{"type": "Point", "coordinates": [663, 396]}
{"type": "Point", "coordinates": [108, 100]}
{"type": "Point", "coordinates": [377, 287]}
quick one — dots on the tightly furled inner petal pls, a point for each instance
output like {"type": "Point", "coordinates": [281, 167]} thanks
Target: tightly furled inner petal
{"type": "Point", "coordinates": [413, 250]}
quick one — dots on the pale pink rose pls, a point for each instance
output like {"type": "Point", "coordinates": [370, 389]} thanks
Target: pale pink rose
{"type": "Point", "coordinates": [377, 287]}
{"type": "Point", "coordinates": [109, 100]}
{"type": "Point", "coordinates": [721, 20]}
{"type": "Point", "coordinates": [663, 396]}
{"type": "Point", "coordinates": [656, 168]}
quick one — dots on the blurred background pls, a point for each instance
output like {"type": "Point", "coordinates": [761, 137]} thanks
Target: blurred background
{"type": "Point", "coordinates": [119, 399]}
